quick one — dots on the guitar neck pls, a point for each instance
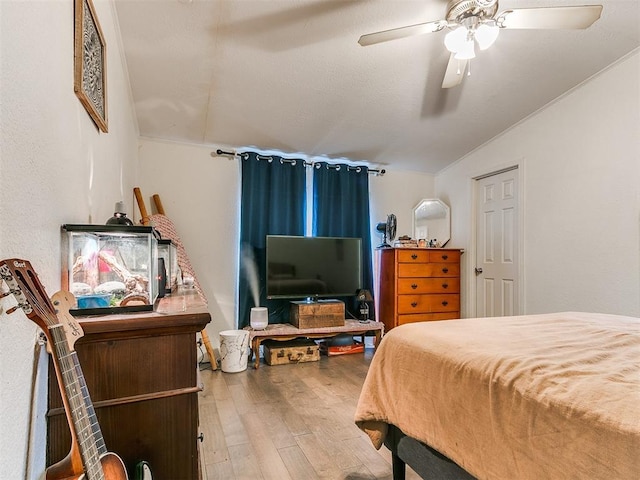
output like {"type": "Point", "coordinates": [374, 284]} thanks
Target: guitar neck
{"type": "Point", "coordinates": [90, 441]}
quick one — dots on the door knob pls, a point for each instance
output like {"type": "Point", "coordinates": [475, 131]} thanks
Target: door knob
{"type": "Point", "coordinates": [478, 270]}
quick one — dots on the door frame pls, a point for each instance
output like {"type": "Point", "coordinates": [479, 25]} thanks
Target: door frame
{"type": "Point", "coordinates": [472, 260]}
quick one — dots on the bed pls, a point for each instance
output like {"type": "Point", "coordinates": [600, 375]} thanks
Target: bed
{"type": "Point", "coordinates": [551, 396]}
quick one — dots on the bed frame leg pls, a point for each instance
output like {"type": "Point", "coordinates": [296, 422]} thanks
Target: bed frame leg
{"type": "Point", "coordinates": [398, 467]}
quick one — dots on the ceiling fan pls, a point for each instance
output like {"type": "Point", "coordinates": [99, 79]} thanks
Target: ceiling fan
{"type": "Point", "coordinates": [478, 22]}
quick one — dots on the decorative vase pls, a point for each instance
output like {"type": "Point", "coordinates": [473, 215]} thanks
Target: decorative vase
{"type": "Point", "coordinates": [259, 318]}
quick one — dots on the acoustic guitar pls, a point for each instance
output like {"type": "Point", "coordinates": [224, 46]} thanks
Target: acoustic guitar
{"type": "Point", "coordinates": [88, 458]}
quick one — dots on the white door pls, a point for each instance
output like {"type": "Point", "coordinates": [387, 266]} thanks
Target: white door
{"type": "Point", "coordinates": [497, 253]}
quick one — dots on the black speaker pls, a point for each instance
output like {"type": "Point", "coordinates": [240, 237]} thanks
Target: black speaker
{"type": "Point", "coordinates": [365, 309]}
{"type": "Point", "coordinates": [162, 278]}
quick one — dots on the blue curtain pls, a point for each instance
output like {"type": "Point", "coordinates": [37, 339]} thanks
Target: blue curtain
{"type": "Point", "coordinates": [273, 203]}
{"type": "Point", "coordinates": [341, 208]}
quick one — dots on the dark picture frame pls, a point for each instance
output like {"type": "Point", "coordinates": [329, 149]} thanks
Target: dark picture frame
{"type": "Point", "coordinates": [90, 67]}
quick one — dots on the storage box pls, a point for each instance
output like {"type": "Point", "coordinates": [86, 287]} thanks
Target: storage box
{"type": "Point", "coordinates": [110, 268]}
{"type": "Point", "coordinates": [330, 350]}
{"type": "Point", "coordinates": [291, 351]}
{"type": "Point", "coordinates": [324, 313]}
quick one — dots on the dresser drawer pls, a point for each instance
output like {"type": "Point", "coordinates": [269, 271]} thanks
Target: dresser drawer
{"type": "Point", "coordinates": [428, 285]}
{"type": "Point", "coordinates": [413, 256]}
{"type": "Point", "coordinates": [444, 256]}
{"type": "Point", "coordinates": [428, 303]}
{"type": "Point", "coordinates": [428, 270]}
{"type": "Point", "coordinates": [427, 317]}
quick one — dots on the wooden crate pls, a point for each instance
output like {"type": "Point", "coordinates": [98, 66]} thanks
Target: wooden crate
{"type": "Point", "coordinates": [325, 313]}
{"type": "Point", "coordinates": [291, 351]}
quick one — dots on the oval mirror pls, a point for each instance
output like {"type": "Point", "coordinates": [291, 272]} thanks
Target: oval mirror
{"type": "Point", "coordinates": [432, 222]}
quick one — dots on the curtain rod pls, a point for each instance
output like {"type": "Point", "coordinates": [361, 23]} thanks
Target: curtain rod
{"type": "Point", "coordinates": [373, 171]}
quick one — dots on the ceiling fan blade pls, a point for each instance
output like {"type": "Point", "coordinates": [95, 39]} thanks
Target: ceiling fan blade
{"type": "Point", "coordinates": [401, 32]}
{"type": "Point", "coordinates": [455, 72]}
{"type": "Point", "coordinates": [577, 17]}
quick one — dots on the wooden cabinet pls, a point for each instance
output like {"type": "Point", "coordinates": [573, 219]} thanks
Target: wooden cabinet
{"type": "Point", "coordinates": [141, 372]}
{"type": "Point", "coordinates": [418, 285]}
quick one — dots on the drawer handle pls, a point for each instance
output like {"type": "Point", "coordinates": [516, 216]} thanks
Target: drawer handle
{"type": "Point", "coordinates": [444, 257]}
{"type": "Point", "coordinates": [414, 304]}
{"type": "Point", "coordinates": [445, 285]}
{"type": "Point", "coordinates": [414, 286]}
{"type": "Point", "coordinates": [414, 256]}
{"type": "Point", "coordinates": [445, 303]}
{"type": "Point", "coordinates": [445, 270]}
{"type": "Point", "coordinates": [201, 437]}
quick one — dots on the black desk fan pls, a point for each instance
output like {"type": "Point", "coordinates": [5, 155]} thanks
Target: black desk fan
{"type": "Point", "coordinates": [388, 230]}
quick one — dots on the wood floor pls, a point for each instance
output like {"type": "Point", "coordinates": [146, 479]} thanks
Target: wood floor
{"type": "Point", "coordinates": [289, 422]}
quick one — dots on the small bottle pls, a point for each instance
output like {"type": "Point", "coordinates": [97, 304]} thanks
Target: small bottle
{"type": "Point", "coordinates": [119, 217]}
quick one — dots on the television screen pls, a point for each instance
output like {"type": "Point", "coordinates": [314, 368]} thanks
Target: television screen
{"type": "Point", "coordinates": [307, 267]}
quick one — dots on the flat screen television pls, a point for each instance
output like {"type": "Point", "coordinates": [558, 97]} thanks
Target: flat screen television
{"type": "Point", "coordinates": [313, 267]}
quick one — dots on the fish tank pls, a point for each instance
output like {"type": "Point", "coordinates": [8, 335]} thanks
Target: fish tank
{"type": "Point", "coordinates": [168, 253]}
{"type": "Point", "coordinates": [110, 268]}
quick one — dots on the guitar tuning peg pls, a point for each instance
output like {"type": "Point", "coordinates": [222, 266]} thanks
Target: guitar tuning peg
{"type": "Point", "coordinates": [12, 309]}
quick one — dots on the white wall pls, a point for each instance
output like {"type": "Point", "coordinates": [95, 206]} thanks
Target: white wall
{"type": "Point", "coordinates": [398, 192]}
{"type": "Point", "coordinates": [51, 153]}
{"type": "Point", "coordinates": [201, 195]}
{"type": "Point", "coordinates": [580, 175]}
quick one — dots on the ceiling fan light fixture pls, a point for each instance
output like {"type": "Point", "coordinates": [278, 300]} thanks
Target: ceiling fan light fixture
{"type": "Point", "coordinates": [456, 39]}
{"type": "Point", "coordinates": [467, 52]}
{"type": "Point", "coordinates": [486, 35]}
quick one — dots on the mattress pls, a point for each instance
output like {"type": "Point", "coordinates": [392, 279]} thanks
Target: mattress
{"type": "Point", "coordinates": [552, 396]}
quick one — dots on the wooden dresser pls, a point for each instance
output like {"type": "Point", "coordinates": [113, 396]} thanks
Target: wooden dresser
{"type": "Point", "coordinates": [418, 285]}
{"type": "Point", "coordinates": [141, 372]}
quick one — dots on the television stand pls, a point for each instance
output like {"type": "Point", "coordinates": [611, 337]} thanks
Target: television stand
{"type": "Point", "coordinates": [286, 331]}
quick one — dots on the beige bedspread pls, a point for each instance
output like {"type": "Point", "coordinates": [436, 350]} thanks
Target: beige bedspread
{"type": "Point", "coordinates": [553, 396]}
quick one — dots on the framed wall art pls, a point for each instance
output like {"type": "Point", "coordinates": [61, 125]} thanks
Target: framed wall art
{"type": "Point", "coordinates": [90, 52]}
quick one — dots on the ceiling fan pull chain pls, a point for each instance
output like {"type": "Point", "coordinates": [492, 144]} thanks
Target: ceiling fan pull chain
{"type": "Point", "coordinates": [469, 69]}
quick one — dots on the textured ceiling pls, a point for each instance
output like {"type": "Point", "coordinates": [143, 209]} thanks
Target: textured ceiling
{"type": "Point", "coordinates": [289, 75]}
